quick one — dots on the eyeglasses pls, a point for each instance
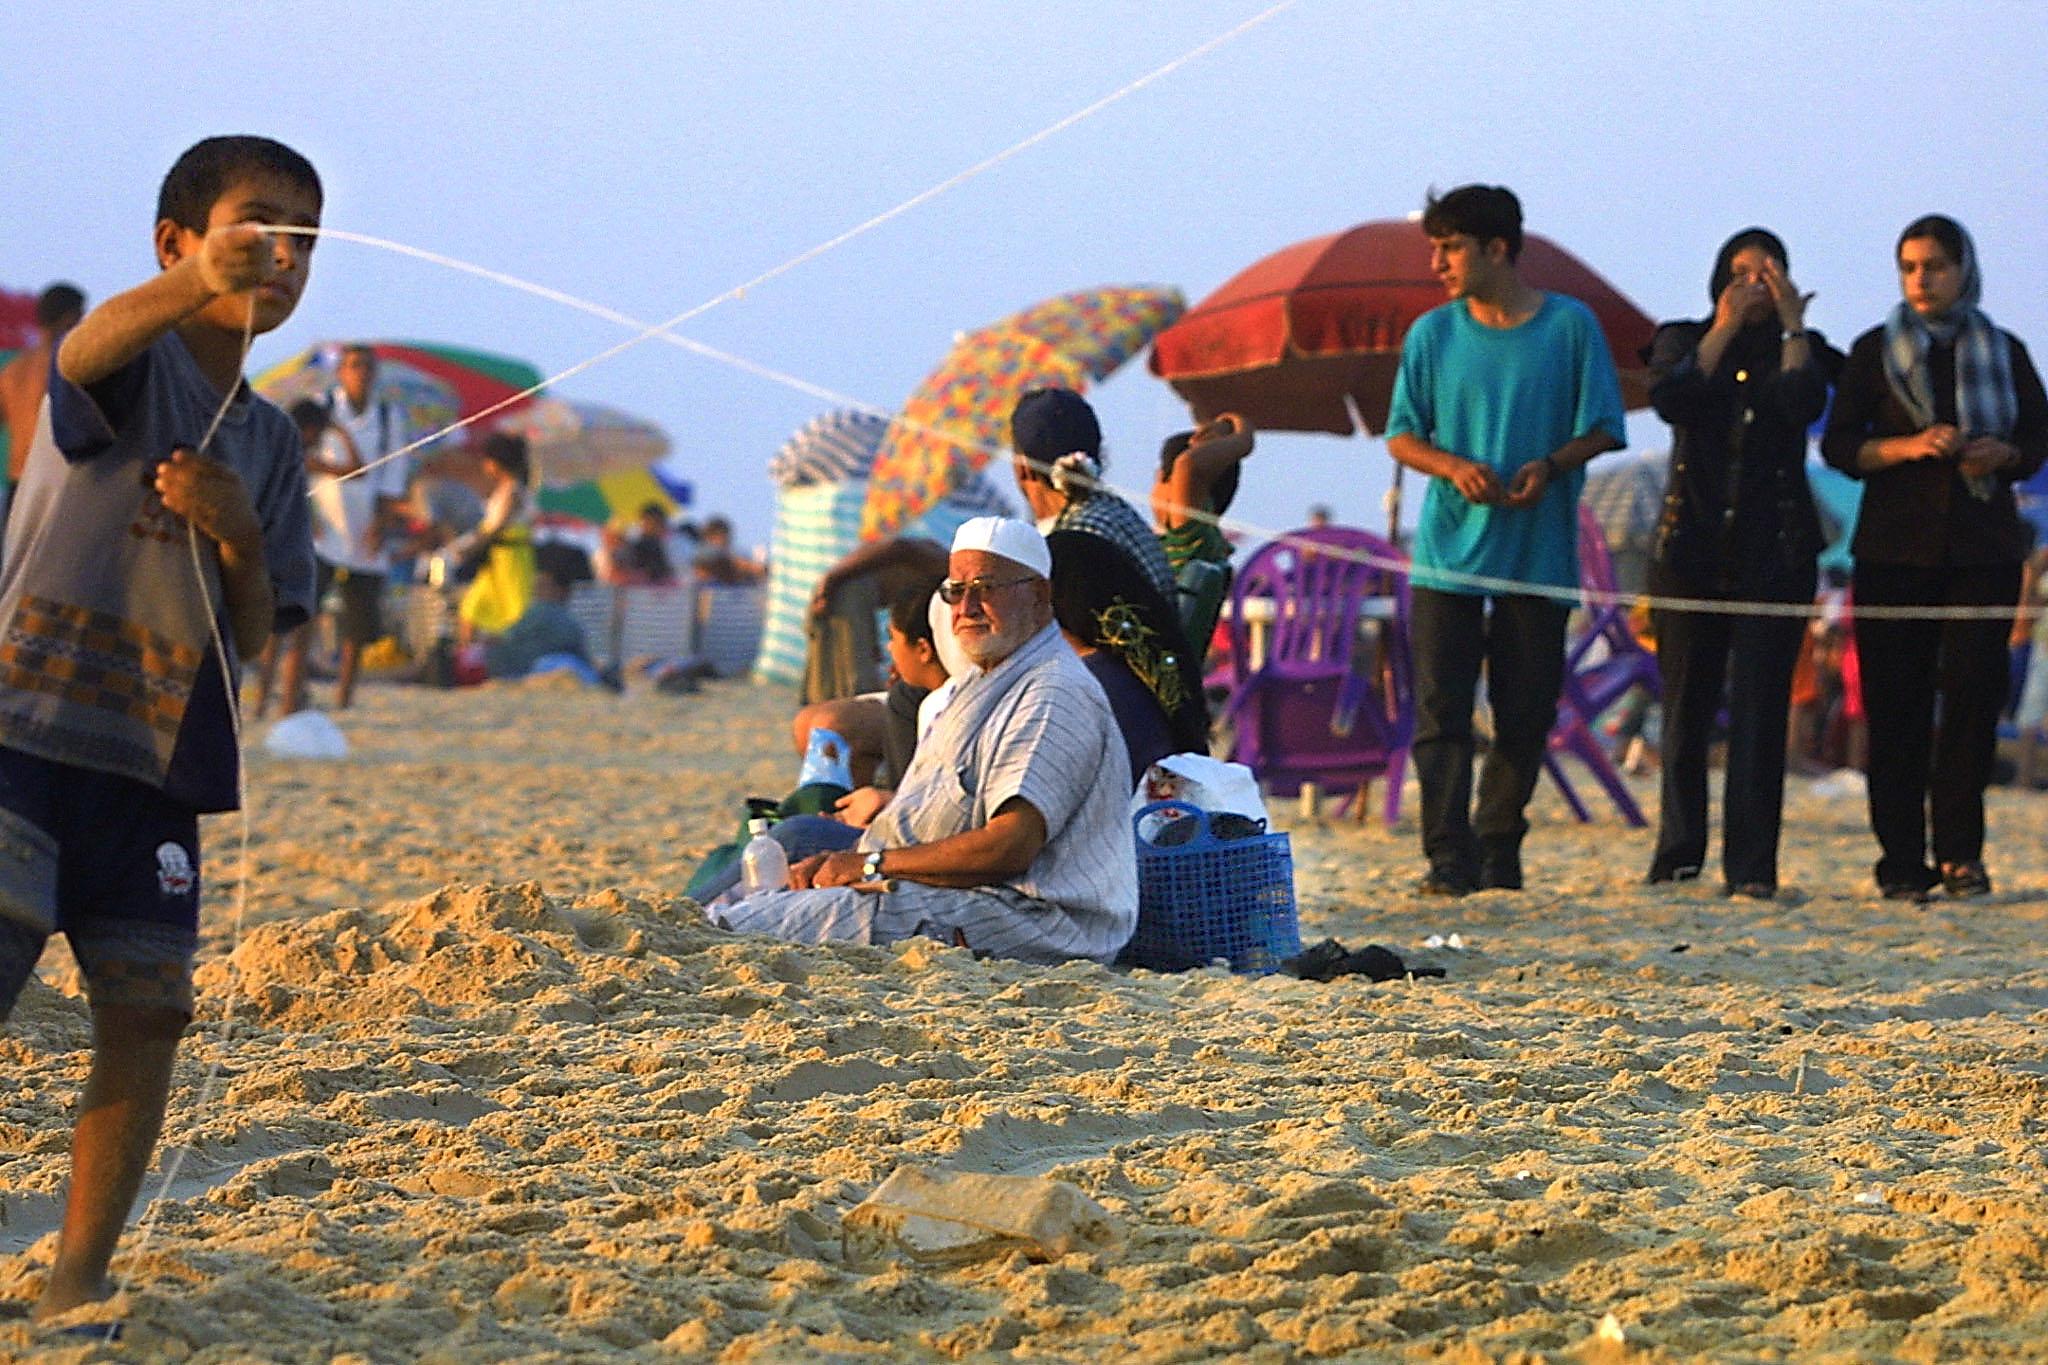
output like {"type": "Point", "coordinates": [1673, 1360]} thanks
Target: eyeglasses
{"type": "Point", "coordinates": [954, 591]}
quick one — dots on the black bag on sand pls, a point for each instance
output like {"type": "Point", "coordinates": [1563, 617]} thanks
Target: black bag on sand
{"type": "Point", "coordinates": [1329, 960]}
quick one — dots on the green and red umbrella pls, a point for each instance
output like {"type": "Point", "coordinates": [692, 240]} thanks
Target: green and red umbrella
{"type": "Point", "coordinates": [435, 384]}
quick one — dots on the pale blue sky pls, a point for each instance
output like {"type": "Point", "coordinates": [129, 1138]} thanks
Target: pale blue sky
{"type": "Point", "coordinates": [649, 156]}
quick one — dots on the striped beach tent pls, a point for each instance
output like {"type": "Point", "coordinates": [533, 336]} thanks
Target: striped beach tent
{"type": "Point", "coordinates": [838, 446]}
{"type": "Point", "coordinates": [821, 477]}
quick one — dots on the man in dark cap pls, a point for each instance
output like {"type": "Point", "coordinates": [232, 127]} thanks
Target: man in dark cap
{"type": "Point", "coordinates": [1059, 469]}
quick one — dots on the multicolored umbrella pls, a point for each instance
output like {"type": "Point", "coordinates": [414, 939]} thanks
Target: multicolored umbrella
{"type": "Point", "coordinates": [613, 497]}
{"type": "Point", "coordinates": [961, 412]}
{"type": "Point", "coordinates": [573, 442]}
{"type": "Point", "coordinates": [435, 384]}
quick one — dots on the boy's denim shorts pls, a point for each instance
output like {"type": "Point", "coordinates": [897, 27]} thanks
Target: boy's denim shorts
{"type": "Point", "coordinates": [110, 862]}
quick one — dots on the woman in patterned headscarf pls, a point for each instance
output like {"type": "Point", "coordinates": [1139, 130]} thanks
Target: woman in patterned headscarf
{"type": "Point", "coordinates": [1939, 412]}
{"type": "Point", "coordinates": [1131, 640]}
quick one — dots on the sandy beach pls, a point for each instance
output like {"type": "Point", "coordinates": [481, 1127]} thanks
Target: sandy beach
{"type": "Point", "coordinates": [482, 1088]}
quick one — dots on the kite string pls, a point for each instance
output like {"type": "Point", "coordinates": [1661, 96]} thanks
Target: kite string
{"type": "Point", "coordinates": [146, 1226]}
{"type": "Point", "coordinates": [1451, 579]}
{"type": "Point", "coordinates": [648, 332]}
{"type": "Point", "coordinates": [148, 1222]}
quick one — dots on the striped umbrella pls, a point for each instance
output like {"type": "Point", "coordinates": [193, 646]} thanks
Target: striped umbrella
{"type": "Point", "coordinates": [961, 412]}
{"type": "Point", "coordinates": [833, 448]}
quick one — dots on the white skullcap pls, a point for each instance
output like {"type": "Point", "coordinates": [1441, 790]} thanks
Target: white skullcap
{"type": "Point", "coordinates": [1014, 540]}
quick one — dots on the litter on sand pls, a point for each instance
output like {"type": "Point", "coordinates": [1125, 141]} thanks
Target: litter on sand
{"type": "Point", "coordinates": [957, 1217]}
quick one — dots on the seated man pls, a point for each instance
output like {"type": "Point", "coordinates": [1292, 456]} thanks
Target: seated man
{"type": "Point", "coordinates": [642, 557]}
{"type": "Point", "coordinates": [545, 628]}
{"type": "Point", "coordinates": [1001, 835]}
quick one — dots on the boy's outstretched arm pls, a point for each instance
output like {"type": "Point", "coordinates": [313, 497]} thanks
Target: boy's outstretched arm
{"type": "Point", "coordinates": [230, 259]}
{"type": "Point", "coordinates": [209, 495]}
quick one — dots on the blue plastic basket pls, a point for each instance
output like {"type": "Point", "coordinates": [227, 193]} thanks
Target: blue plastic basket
{"type": "Point", "coordinates": [1211, 898]}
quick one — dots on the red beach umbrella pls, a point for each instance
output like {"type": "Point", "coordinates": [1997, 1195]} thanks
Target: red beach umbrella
{"type": "Point", "coordinates": [17, 320]}
{"type": "Point", "coordinates": [1309, 338]}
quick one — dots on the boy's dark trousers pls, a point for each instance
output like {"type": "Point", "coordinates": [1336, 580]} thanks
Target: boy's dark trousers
{"type": "Point", "coordinates": [1914, 770]}
{"type": "Point", "coordinates": [1521, 643]}
{"type": "Point", "coordinates": [1751, 658]}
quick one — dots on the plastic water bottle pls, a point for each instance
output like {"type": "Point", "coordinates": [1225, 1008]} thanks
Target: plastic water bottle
{"type": "Point", "coordinates": [763, 864]}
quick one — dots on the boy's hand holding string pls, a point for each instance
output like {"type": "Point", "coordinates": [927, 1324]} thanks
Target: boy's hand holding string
{"type": "Point", "coordinates": [212, 498]}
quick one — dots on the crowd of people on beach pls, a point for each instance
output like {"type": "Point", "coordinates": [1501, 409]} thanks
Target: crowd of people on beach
{"type": "Point", "coordinates": [167, 525]}
{"type": "Point", "coordinates": [1503, 396]}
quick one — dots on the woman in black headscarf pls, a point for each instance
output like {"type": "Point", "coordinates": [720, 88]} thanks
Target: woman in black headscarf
{"type": "Point", "coordinates": [1131, 641]}
{"type": "Point", "coordinates": [1740, 389]}
{"type": "Point", "coordinates": [1940, 413]}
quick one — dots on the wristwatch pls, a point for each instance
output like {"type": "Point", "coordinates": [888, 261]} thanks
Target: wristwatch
{"type": "Point", "coordinates": [871, 867]}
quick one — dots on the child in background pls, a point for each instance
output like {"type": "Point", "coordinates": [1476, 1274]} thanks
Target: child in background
{"type": "Point", "coordinates": [146, 560]}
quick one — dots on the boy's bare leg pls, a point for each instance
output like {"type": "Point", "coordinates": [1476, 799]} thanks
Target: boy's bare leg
{"type": "Point", "coordinates": [345, 681]}
{"type": "Point", "coordinates": [293, 669]}
{"type": "Point", "coordinates": [119, 1120]}
{"type": "Point", "coordinates": [266, 675]}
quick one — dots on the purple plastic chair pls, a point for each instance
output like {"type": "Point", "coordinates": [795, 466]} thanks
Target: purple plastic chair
{"type": "Point", "coordinates": [1315, 710]}
{"type": "Point", "coordinates": [1602, 662]}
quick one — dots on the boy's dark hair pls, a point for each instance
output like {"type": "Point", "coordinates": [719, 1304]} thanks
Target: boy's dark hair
{"type": "Point", "coordinates": [651, 508]}
{"type": "Point", "coordinates": [310, 413]}
{"type": "Point", "coordinates": [202, 175]}
{"type": "Point", "coordinates": [508, 451]}
{"type": "Point", "coordinates": [59, 303]}
{"type": "Point", "coordinates": [1221, 494]}
{"type": "Point", "coordinates": [1481, 212]}
{"type": "Point", "coordinates": [363, 349]}
{"type": "Point", "coordinates": [910, 609]}
{"type": "Point", "coordinates": [716, 526]}
{"type": "Point", "coordinates": [1943, 229]}
{"type": "Point", "coordinates": [563, 561]}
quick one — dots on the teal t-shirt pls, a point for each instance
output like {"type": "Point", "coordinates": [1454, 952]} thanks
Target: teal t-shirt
{"type": "Point", "coordinates": [1504, 397]}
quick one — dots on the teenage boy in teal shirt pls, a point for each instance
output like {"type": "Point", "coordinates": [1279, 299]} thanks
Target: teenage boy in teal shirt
{"type": "Point", "coordinates": [1503, 395]}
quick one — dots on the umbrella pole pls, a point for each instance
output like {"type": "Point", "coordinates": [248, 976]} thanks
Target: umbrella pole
{"type": "Point", "coordinates": [1394, 506]}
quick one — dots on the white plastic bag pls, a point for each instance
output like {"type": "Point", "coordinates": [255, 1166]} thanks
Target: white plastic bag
{"type": "Point", "coordinates": [1204, 782]}
{"type": "Point", "coordinates": [956, 1217]}
{"type": "Point", "coordinates": [306, 734]}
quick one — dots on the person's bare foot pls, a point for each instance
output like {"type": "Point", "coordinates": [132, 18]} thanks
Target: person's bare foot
{"type": "Point", "coordinates": [61, 1296]}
